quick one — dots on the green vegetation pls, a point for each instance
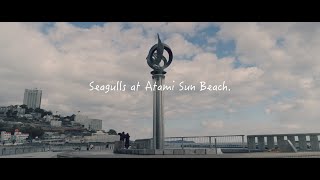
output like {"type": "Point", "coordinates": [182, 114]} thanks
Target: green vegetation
{"type": "Point", "coordinates": [32, 131]}
{"type": "Point", "coordinates": [23, 106]}
{"type": "Point", "coordinates": [28, 110]}
{"type": "Point", "coordinates": [3, 126]}
{"type": "Point", "coordinates": [112, 132]}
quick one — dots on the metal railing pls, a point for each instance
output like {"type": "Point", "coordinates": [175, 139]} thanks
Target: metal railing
{"type": "Point", "coordinates": [227, 141]}
{"type": "Point", "coordinates": [4, 151]}
{"type": "Point", "coordinates": [197, 142]}
{"type": "Point", "coordinates": [301, 142]}
{"type": "Point", "coordinates": [22, 149]}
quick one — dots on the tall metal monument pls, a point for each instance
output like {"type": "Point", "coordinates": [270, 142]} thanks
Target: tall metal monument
{"type": "Point", "coordinates": [158, 62]}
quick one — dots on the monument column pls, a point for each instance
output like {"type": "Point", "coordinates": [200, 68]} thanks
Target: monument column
{"type": "Point", "coordinates": [154, 58]}
{"type": "Point", "coordinates": [158, 124]}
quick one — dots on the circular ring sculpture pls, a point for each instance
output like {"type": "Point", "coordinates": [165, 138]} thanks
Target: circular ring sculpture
{"type": "Point", "coordinates": [155, 56]}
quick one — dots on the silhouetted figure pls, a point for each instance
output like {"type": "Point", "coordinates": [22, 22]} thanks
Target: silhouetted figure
{"type": "Point", "coordinates": [122, 137]}
{"type": "Point", "coordinates": [127, 141]}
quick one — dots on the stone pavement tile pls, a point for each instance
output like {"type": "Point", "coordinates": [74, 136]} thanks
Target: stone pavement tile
{"type": "Point", "coordinates": [103, 154]}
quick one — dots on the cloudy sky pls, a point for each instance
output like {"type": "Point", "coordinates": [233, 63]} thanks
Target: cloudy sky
{"type": "Point", "coordinates": [272, 69]}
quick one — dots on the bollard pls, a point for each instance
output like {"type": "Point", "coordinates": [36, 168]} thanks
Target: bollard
{"type": "Point", "coordinates": [314, 143]}
{"type": "Point", "coordinates": [270, 142]}
{"type": "Point", "coordinates": [280, 142]}
{"type": "Point", "coordinates": [261, 143]}
{"type": "Point", "coordinates": [215, 145]}
{"type": "Point", "coordinates": [251, 142]}
{"type": "Point", "coordinates": [243, 145]}
{"type": "Point", "coordinates": [302, 143]}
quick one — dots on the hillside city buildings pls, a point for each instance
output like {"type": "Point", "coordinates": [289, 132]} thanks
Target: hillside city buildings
{"type": "Point", "coordinates": [57, 129]}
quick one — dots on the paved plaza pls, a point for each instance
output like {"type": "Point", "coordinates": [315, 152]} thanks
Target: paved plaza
{"type": "Point", "coordinates": [48, 154]}
{"type": "Point", "coordinates": [109, 154]}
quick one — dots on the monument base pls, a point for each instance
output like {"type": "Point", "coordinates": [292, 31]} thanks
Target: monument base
{"type": "Point", "coordinates": [165, 151]}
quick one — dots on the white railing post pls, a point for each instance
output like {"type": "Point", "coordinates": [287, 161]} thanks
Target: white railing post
{"type": "Point", "coordinates": [215, 145]}
{"type": "Point", "coordinates": [182, 143]}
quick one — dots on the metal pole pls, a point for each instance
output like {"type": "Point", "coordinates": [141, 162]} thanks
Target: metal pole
{"type": "Point", "coordinates": [182, 143]}
{"type": "Point", "coordinates": [210, 142]}
{"type": "Point", "coordinates": [215, 145]}
{"type": "Point", "coordinates": [158, 127]}
{"type": "Point", "coordinates": [242, 141]}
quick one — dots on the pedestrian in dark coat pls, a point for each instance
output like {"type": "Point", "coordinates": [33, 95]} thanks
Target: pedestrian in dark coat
{"type": "Point", "coordinates": [127, 141]}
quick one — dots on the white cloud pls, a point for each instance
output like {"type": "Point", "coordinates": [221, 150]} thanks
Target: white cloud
{"type": "Point", "coordinates": [66, 59]}
{"type": "Point", "coordinates": [290, 67]}
{"type": "Point", "coordinates": [186, 28]}
{"type": "Point", "coordinates": [213, 124]}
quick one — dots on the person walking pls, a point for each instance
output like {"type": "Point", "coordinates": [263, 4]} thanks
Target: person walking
{"type": "Point", "coordinates": [127, 140]}
{"type": "Point", "coordinates": [122, 137]}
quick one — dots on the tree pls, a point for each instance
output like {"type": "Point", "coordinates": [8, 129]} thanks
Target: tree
{"type": "Point", "coordinates": [14, 127]}
{"type": "Point", "coordinates": [72, 117]}
{"type": "Point", "coordinates": [9, 113]}
{"type": "Point", "coordinates": [39, 110]}
{"type": "Point", "coordinates": [14, 113]}
{"type": "Point", "coordinates": [46, 113]}
{"type": "Point", "coordinates": [23, 106]}
{"type": "Point", "coordinates": [93, 131]}
{"type": "Point", "coordinates": [33, 131]}
{"type": "Point", "coordinates": [28, 111]}
{"type": "Point", "coordinates": [112, 132]}
{"type": "Point", "coordinates": [3, 126]}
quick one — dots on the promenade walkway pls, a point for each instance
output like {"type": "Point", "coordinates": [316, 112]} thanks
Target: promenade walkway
{"type": "Point", "coordinates": [47, 154]}
{"type": "Point", "coordinates": [109, 154]}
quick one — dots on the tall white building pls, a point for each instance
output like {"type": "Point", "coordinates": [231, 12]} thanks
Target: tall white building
{"type": "Point", "coordinates": [94, 124]}
{"type": "Point", "coordinates": [56, 123]}
{"type": "Point", "coordinates": [90, 124]}
{"type": "Point", "coordinates": [32, 98]}
{"type": "Point", "coordinates": [99, 136]}
{"type": "Point", "coordinates": [81, 118]}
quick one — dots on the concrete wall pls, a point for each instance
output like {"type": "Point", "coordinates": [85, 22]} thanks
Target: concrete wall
{"type": "Point", "coordinates": [282, 142]}
{"type": "Point", "coordinates": [143, 143]}
{"type": "Point", "coordinates": [11, 150]}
